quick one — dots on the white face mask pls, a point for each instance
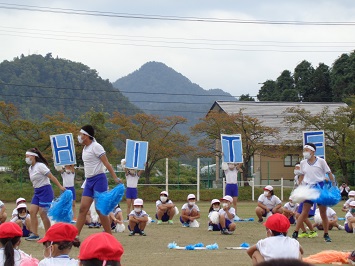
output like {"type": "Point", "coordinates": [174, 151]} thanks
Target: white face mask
{"type": "Point", "coordinates": [351, 199]}
{"type": "Point", "coordinates": [28, 160]}
{"type": "Point", "coordinates": [22, 216]}
{"type": "Point", "coordinates": [163, 198]}
{"type": "Point", "coordinates": [307, 155]}
{"type": "Point", "coordinates": [50, 251]}
{"type": "Point", "coordinates": [191, 203]}
{"type": "Point", "coordinates": [216, 209]}
{"type": "Point", "coordinates": [266, 193]}
{"type": "Point", "coordinates": [292, 204]}
{"type": "Point", "coordinates": [137, 209]}
{"type": "Point", "coordinates": [80, 140]}
{"type": "Point", "coordinates": [224, 205]}
{"type": "Point", "coordinates": [297, 172]}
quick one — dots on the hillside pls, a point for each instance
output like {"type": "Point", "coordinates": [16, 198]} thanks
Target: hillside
{"type": "Point", "coordinates": [159, 89]}
{"type": "Point", "coordinates": [39, 85]}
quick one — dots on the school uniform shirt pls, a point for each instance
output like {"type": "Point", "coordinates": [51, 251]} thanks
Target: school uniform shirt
{"type": "Point", "coordinates": [60, 261]}
{"type": "Point", "coordinates": [277, 247]}
{"type": "Point", "coordinates": [138, 214]}
{"type": "Point", "coordinates": [269, 203]}
{"type": "Point", "coordinates": [132, 180]}
{"type": "Point", "coordinates": [117, 210]}
{"type": "Point", "coordinates": [188, 208]}
{"type": "Point", "coordinates": [314, 173]}
{"type": "Point", "coordinates": [223, 212]}
{"type": "Point", "coordinates": [159, 202]}
{"type": "Point", "coordinates": [231, 176]}
{"type": "Point", "coordinates": [346, 204]}
{"type": "Point", "coordinates": [16, 218]}
{"type": "Point", "coordinates": [348, 215]}
{"type": "Point", "coordinates": [293, 208]}
{"type": "Point", "coordinates": [68, 179]}
{"type": "Point", "coordinates": [38, 175]}
{"type": "Point", "coordinates": [330, 213]}
{"type": "Point", "coordinates": [91, 158]}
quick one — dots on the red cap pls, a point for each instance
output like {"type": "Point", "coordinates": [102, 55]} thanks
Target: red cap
{"type": "Point", "coordinates": [10, 230]}
{"type": "Point", "coordinates": [277, 222]}
{"type": "Point", "coordinates": [60, 232]}
{"type": "Point", "coordinates": [102, 246]}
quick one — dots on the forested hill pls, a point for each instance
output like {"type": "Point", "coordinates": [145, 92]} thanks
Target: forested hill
{"type": "Point", "coordinates": [39, 85]}
{"type": "Point", "coordinates": [159, 89]}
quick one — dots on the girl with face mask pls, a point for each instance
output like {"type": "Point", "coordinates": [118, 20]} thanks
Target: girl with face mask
{"type": "Point", "coordinates": [57, 244]}
{"type": "Point", "coordinates": [290, 211]}
{"type": "Point", "coordinates": [132, 177]}
{"type": "Point", "coordinates": [213, 215]}
{"type": "Point", "coordinates": [189, 211]}
{"type": "Point", "coordinates": [351, 198]}
{"type": "Point", "coordinates": [138, 219]}
{"type": "Point", "coordinates": [268, 204]}
{"type": "Point", "coordinates": [350, 218]}
{"type": "Point", "coordinates": [68, 176]}
{"type": "Point", "coordinates": [22, 218]}
{"type": "Point", "coordinates": [165, 209]}
{"type": "Point", "coordinates": [226, 216]}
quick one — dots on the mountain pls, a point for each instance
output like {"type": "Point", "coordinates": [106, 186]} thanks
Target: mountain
{"type": "Point", "coordinates": [158, 89]}
{"type": "Point", "coordinates": [39, 85]}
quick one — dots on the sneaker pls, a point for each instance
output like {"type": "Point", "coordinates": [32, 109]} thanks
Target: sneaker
{"type": "Point", "coordinates": [91, 225]}
{"type": "Point", "coordinates": [295, 235]}
{"type": "Point", "coordinates": [327, 238]}
{"type": "Point", "coordinates": [159, 222]}
{"type": "Point", "coordinates": [303, 235]}
{"type": "Point", "coordinates": [260, 220]}
{"type": "Point", "coordinates": [142, 233]}
{"type": "Point", "coordinates": [131, 233]}
{"type": "Point", "coordinates": [170, 222]}
{"type": "Point", "coordinates": [225, 231]}
{"type": "Point", "coordinates": [340, 227]}
{"type": "Point", "coordinates": [97, 225]}
{"type": "Point", "coordinates": [185, 225]}
{"type": "Point", "coordinates": [312, 234]}
{"type": "Point", "coordinates": [32, 237]}
{"type": "Point", "coordinates": [210, 228]}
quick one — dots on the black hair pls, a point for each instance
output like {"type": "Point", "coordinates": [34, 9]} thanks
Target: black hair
{"type": "Point", "coordinates": [90, 130]}
{"type": "Point", "coordinates": [211, 207]}
{"type": "Point", "coordinates": [8, 244]}
{"type": "Point", "coordinates": [275, 233]}
{"type": "Point", "coordinates": [312, 145]}
{"type": "Point", "coordinates": [62, 245]}
{"type": "Point", "coordinates": [40, 157]}
{"type": "Point", "coordinates": [97, 262]}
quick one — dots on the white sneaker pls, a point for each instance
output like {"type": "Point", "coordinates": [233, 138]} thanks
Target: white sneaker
{"type": "Point", "coordinates": [340, 227]}
{"type": "Point", "coordinates": [210, 228]}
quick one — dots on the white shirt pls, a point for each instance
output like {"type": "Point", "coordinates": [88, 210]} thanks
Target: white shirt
{"type": "Point", "coordinates": [346, 204]}
{"type": "Point", "coordinates": [330, 213]}
{"type": "Point", "coordinates": [68, 179]}
{"type": "Point", "coordinates": [38, 175]}
{"type": "Point", "coordinates": [58, 261]}
{"type": "Point", "coordinates": [278, 247]}
{"type": "Point", "coordinates": [314, 173]}
{"type": "Point", "coordinates": [288, 206]}
{"type": "Point", "coordinates": [231, 176]}
{"type": "Point", "coordinates": [117, 210]}
{"type": "Point", "coordinates": [18, 255]}
{"type": "Point", "coordinates": [16, 218]}
{"type": "Point", "coordinates": [223, 212]}
{"type": "Point", "coordinates": [159, 202]}
{"type": "Point", "coordinates": [132, 180]}
{"type": "Point", "coordinates": [269, 203]}
{"type": "Point", "coordinates": [138, 214]}
{"type": "Point", "coordinates": [91, 158]}
{"type": "Point", "coordinates": [347, 216]}
{"type": "Point", "coordinates": [188, 208]}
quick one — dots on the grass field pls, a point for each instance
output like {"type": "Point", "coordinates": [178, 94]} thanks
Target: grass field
{"type": "Point", "coordinates": [152, 249]}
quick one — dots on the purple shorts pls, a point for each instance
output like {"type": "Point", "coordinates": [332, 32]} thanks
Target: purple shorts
{"type": "Point", "coordinates": [232, 190]}
{"type": "Point", "coordinates": [216, 227]}
{"type": "Point", "coordinates": [164, 218]}
{"type": "Point", "coordinates": [347, 229]}
{"type": "Point", "coordinates": [131, 193]}
{"type": "Point", "coordinates": [135, 229]}
{"type": "Point", "coordinates": [25, 231]}
{"type": "Point", "coordinates": [43, 196]}
{"type": "Point", "coordinates": [96, 183]}
{"type": "Point", "coordinates": [227, 224]}
{"type": "Point", "coordinates": [312, 210]}
{"type": "Point", "coordinates": [72, 189]}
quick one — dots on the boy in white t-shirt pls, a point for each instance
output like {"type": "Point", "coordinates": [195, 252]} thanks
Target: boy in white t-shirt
{"type": "Point", "coordinates": [290, 211]}
{"type": "Point", "coordinates": [132, 177]}
{"type": "Point", "coordinates": [138, 219]}
{"type": "Point", "coordinates": [226, 216]}
{"type": "Point", "coordinates": [277, 245]}
{"type": "Point", "coordinates": [332, 220]}
{"type": "Point", "coordinates": [165, 209]}
{"type": "Point", "coordinates": [268, 204]}
{"type": "Point", "coordinates": [189, 211]}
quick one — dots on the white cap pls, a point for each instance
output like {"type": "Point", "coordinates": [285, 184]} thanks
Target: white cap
{"type": "Point", "coordinates": [352, 193]}
{"type": "Point", "coordinates": [270, 188]}
{"type": "Point", "coordinates": [215, 201]}
{"type": "Point", "coordinates": [352, 203]}
{"type": "Point", "coordinates": [191, 196]}
{"type": "Point", "coordinates": [138, 202]}
{"type": "Point", "coordinates": [21, 205]}
{"type": "Point", "coordinates": [164, 192]}
{"type": "Point", "coordinates": [20, 199]}
{"type": "Point", "coordinates": [227, 198]}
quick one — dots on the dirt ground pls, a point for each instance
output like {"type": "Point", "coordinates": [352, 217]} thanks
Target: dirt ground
{"type": "Point", "coordinates": [152, 249]}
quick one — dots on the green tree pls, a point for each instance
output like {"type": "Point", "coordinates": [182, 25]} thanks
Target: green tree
{"type": "Point", "coordinates": [246, 97]}
{"type": "Point", "coordinates": [303, 77]}
{"type": "Point", "coordinates": [322, 88]}
{"type": "Point", "coordinates": [268, 92]}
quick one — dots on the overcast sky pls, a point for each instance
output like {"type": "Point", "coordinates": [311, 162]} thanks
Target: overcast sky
{"type": "Point", "coordinates": [231, 56]}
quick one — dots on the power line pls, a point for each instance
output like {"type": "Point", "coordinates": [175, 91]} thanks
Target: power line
{"type": "Point", "coordinates": [167, 18]}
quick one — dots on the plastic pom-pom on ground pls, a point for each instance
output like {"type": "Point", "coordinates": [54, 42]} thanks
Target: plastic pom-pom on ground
{"type": "Point", "coordinates": [61, 209]}
{"type": "Point", "coordinates": [107, 201]}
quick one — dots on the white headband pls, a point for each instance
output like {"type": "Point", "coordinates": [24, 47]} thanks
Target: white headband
{"type": "Point", "coordinates": [308, 147]}
{"type": "Point", "coordinates": [84, 132]}
{"type": "Point", "coordinates": [31, 153]}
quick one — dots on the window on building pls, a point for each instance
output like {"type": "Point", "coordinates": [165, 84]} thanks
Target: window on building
{"type": "Point", "coordinates": [291, 160]}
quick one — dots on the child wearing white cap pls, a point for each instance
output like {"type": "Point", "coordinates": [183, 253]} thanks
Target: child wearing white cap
{"type": "Point", "coordinates": [23, 219]}
{"type": "Point", "coordinates": [213, 215]}
{"type": "Point", "coordinates": [18, 201]}
{"type": "Point", "coordinates": [226, 216]}
{"type": "Point", "coordinates": [290, 211]}
{"type": "Point", "coordinates": [165, 209]}
{"type": "Point", "coordinates": [350, 218]}
{"type": "Point", "coordinates": [351, 198]}
{"type": "Point", "coordinates": [268, 204]}
{"type": "Point", "coordinates": [138, 219]}
{"type": "Point", "coordinates": [189, 211]}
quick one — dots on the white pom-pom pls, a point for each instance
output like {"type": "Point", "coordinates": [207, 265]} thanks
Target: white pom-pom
{"type": "Point", "coordinates": [317, 219]}
{"type": "Point", "coordinates": [176, 210]}
{"type": "Point", "coordinates": [224, 166]}
{"type": "Point", "coordinates": [149, 220]}
{"type": "Point", "coordinates": [120, 228]}
{"type": "Point", "coordinates": [214, 217]}
{"type": "Point", "coordinates": [302, 193]}
{"type": "Point", "coordinates": [195, 223]}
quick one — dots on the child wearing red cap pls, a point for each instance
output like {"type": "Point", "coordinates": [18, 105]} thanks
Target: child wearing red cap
{"type": "Point", "coordinates": [10, 239]}
{"type": "Point", "coordinates": [101, 249]}
{"type": "Point", "coordinates": [57, 244]}
{"type": "Point", "coordinates": [277, 245]}
{"type": "Point", "coordinates": [138, 219]}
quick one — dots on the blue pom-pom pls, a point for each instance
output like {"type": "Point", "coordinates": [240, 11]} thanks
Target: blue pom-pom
{"type": "Point", "coordinates": [61, 208]}
{"type": "Point", "coordinates": [212, 246]}
{"type": "Point", "coordinates": [172, 245]}
{"type": "Point", "coordinates": [190, 247]}
{"type": "Point", "coordinates": [107, 201]}
{"type": "Point", "coordinates": [199, 245]}
{"type": "Point", "coordinates": [251, 219]}
{"type": "Point", "coordinates": [244, 245]}
{"type": "Point", "coordinates": [329, 195]}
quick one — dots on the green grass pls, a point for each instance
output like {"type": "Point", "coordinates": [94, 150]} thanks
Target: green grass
{"type": "Point", "coordinates": [152, 249]}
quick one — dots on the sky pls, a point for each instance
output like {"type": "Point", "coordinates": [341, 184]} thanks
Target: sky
{"type": "Point", "coordinates": [231, 45]}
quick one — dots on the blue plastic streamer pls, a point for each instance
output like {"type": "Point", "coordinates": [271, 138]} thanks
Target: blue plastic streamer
{"type": "Point", "coordinates": [329, 195]}
{"type": "Point", "coordinates": [199, 245]}
{"type": "Point", "coordinates": [190, 247]}
{"type": "Point", "coordinates": [244, 245]}
{"type": "Point", "coordinates": [212, 246]}
{"type": "Point", "coordinates": [172, 245]}
{"type": "Point", "coordinates": [61, 208]}
{"type": "Point", "coordinates": [108, 200]}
